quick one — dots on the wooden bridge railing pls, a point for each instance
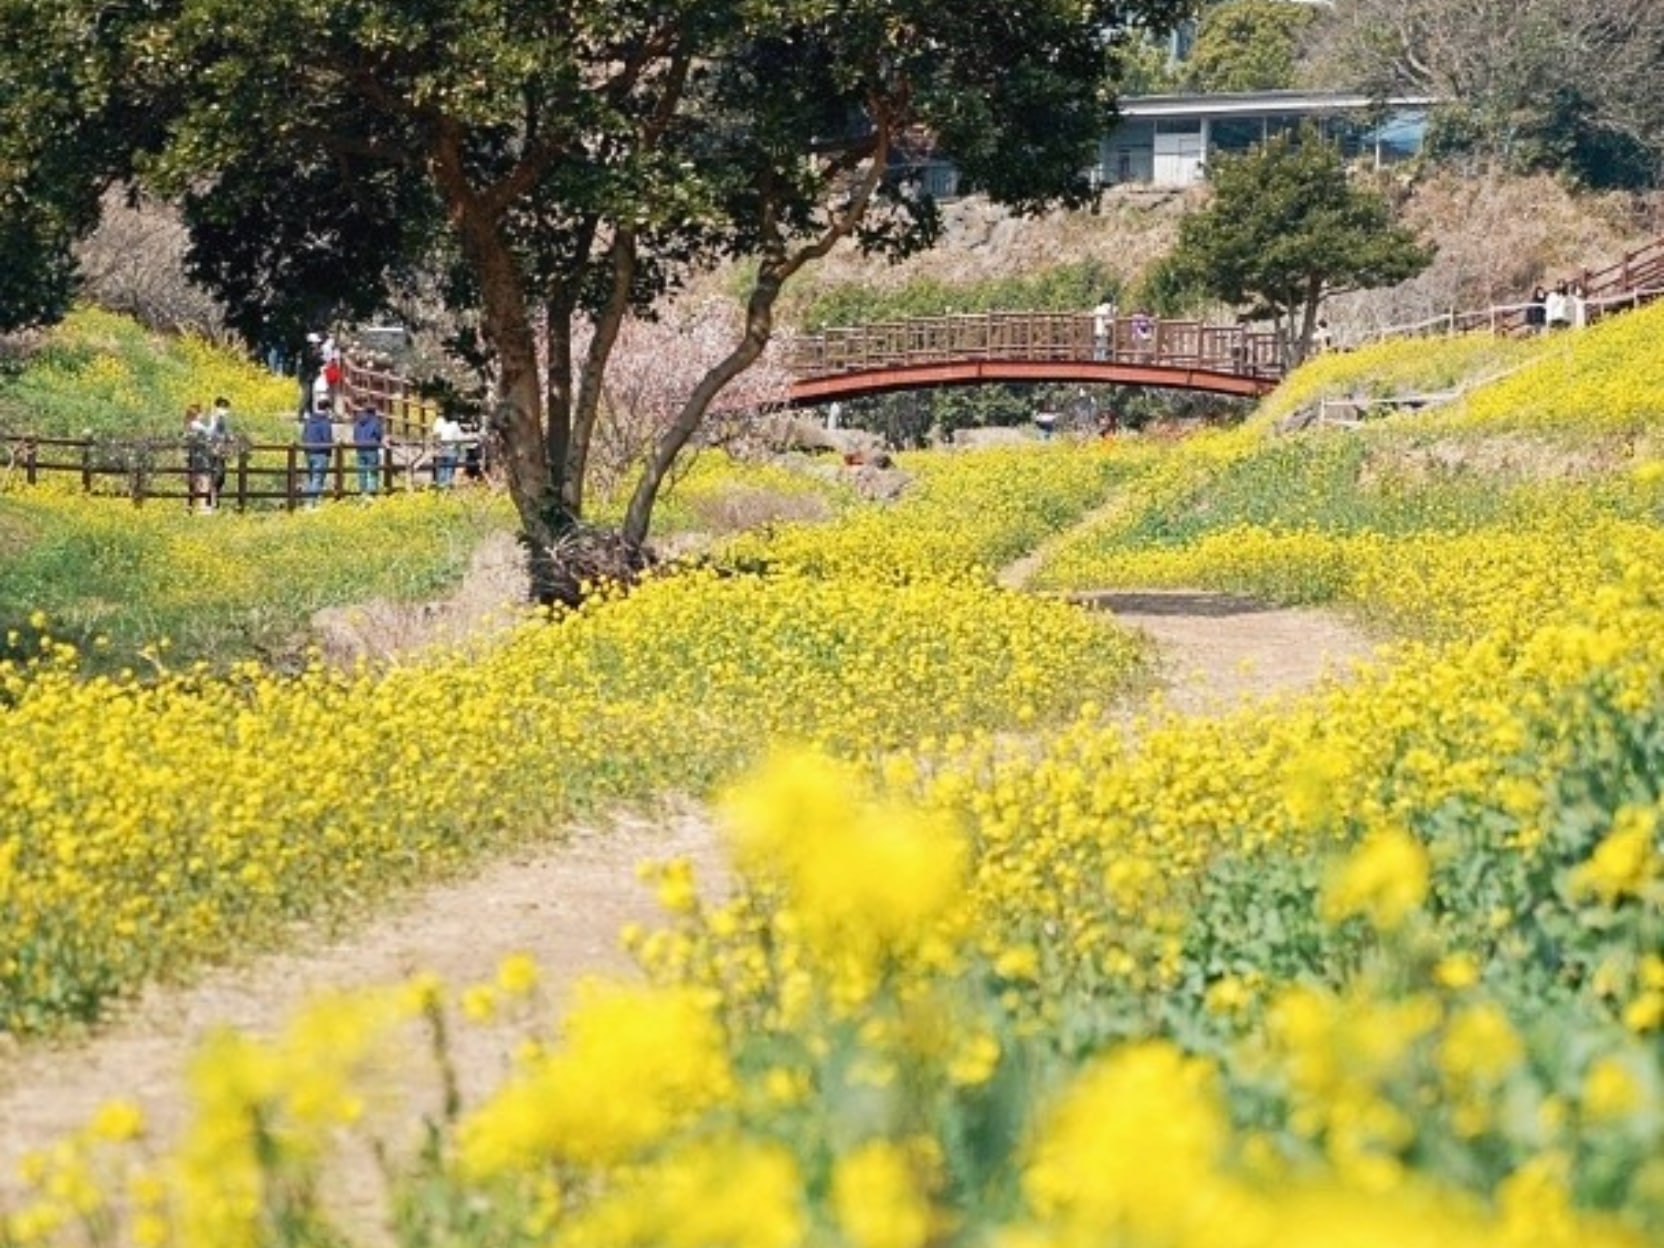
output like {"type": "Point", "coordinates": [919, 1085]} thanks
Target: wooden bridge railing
{"type": "Point", "coordinates": [408, 415]}
{"type": "Point", "coordinates": [1057, 337]}
{"type": "Point", "coordinates": [255, 474]}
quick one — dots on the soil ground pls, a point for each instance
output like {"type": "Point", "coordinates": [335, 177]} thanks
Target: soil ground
{"type": "Point", "coordinates": [563, 903]}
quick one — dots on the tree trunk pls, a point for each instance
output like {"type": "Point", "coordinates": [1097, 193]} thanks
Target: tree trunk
{"type": "Point", "coordinates": [517, 420]}
{"type": "Point", "coordinates": [506, 324]}
{"type": "Point", "coordinates": [1308, 319]}
{"type": "Point", "coordinates": [557, 415]}
{"type": "Point", "coordinates": [587, 405]}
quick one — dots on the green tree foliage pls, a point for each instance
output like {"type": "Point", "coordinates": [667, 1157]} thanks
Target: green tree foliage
{"type": "Point", "coordinates": [1285, 228]}
{"type": "Point", "coordinates": [1565, 85]}
{"type": "Point", "coordinates": [559, 161]}
{"type": "Point", "coordinates": [58, 119]}
{"type": "Point", "coordinates": [1248, 45]}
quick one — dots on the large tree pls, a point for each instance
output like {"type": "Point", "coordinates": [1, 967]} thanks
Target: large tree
{"type": "Point", "coordinates": [1561, 84]}
{"type": "Point", "coordinates": [1248, 45]}
{"type": "Point", "coordinates": [565, 161]}
{"type": "Point", "coordinates": [1285, 228]}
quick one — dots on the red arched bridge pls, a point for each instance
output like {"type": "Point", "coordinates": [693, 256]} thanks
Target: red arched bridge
{"type": "Point", "coordinates": [1137, 350]}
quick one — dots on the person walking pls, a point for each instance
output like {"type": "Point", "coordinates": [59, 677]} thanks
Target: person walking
{"type": "Point", "coordinates": [317, 443]}
{"type": "Point", "coordinates": [368, 434]}
{"type": "Point", "coordinates": [448, 437]}
{"type": "Point", "coordinates": [218, 423]}
{"type": "Point", "coordinates": [1557, 308]}
{"type": "Point", "coordinates": [1143, 334]}
{"type": "Point", "coordinates": [310, 365]}
{"type": "Point", "coordinates": [1578, 298]}
{"type": "Point", "coordinates": [1103, 329]}
{"type": "Point", "coordinates": [332, 373]}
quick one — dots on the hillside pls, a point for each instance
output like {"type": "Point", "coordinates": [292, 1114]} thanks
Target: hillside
{"type": "Point", "coordinates": [1496, 237]}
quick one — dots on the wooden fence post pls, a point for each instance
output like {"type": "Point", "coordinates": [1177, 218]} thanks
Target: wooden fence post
{"type": "Point", "coordinates": [86, 467]}
{"type": "Point", "coordinates": [291, 481]}
{"type": "Point", "coordinates": [31, 460]}
{"type": "Point", "coordinates": [338, 461]}
{"type": "Point", "coordinates": [242, 478]}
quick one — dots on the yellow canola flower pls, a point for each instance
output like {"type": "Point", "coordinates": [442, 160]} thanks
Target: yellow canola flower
{"type": "Point", "coordinates": [147, 824]}
{"type": "Point", "coordinates": [1626, 860]}
{"type": "Point", "coordinates": [1612, 1090]}
{"type": "Point", "coordinates": [117, 1122]}
{"type": "Point", "coordinates": [518, 975]}
{"type": "Point", "coordinates": [1384, 880]}
{"type": "Point", "coordinates": [881, 1196]}
{"type": "Point", "coordinates": [1479, 1047]}
{"type": "Point", "coordinates": [266, 1112]}
{"type": "Point", "coordinates": [479, 1003]}
{"type": "Point", "coordinates": [726, 1190]}
{"type": "Point", "coordinates": [1457, 970]}
{"type": "Point", "coordinates": [865, 879]}
{"type": "Point", "coordinates": [1317, 779]}
{"type": "Point", "coordinates": [635, 1064]}
{"type": "Point", "coordinates": [1128, 1149]}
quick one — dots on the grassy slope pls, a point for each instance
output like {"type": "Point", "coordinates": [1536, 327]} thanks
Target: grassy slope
{"type": "Point", "coordinates": [102, 374]}
{"type": "Point", "coordinates": [1565, 428]}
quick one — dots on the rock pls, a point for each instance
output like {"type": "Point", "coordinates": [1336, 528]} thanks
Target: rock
{"type": "Point", "coordinates": [880, 485]}
{"type": "Point", "coordinates": [797, 434]}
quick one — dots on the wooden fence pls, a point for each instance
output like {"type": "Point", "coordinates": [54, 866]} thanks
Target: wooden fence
{"type": "Point", "coordinates": [1510, 320]}
{"type": "Point", "coordinates": [275, 475]}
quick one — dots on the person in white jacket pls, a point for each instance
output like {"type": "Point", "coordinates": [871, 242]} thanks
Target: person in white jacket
{"type": "Point", "coordinates": [448, 438]}
{"type": "Point", "coordinates": [1557, 308]}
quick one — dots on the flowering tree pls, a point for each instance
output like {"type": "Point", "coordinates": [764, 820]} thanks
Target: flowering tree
{"type": "Point", "coordinates": [653, 363]}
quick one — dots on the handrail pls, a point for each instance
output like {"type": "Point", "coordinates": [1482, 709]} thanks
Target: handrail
{"type": "Point", "coordinates": [405, 412]}
{"type": "Point", "coordinates": [1067, 337]}
{"type": "Point", "coordinates": [1507, 318]}
{"type": "Point", "coordinates": [248, 473]}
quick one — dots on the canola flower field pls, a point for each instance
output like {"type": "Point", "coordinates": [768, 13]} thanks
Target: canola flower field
{"type": "Point", "coordinates": [148, 823]}
{"type": "Point", "coordinates": [1381, 965]}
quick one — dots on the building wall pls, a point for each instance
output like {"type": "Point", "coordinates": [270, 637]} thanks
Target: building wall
{"type": "Point", "coordinates": [1173, 150]}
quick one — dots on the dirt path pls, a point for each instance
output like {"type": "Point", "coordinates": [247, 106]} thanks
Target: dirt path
{"type": "Point", "coordinates": [1216, 649]}
{"type": "Point", "coordinates": [563, 903]}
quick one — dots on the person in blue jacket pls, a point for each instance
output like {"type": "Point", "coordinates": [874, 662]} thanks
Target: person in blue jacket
{"type": "Point", "coordinates": [317, 441]}
{"type": "Point", "coordinates": [368, 433]}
